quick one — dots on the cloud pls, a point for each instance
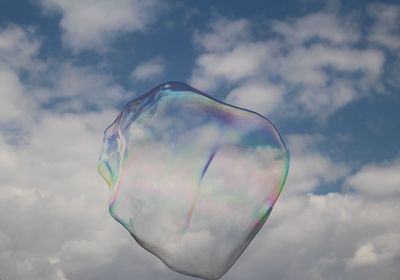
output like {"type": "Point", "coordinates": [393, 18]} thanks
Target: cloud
{"type": "Point", "coordinates": [150, 69]}
{"type": "Point", "coordinates": [224, 34]}
{"type": "Point", "coordinates": [244, 60]}
{"type": "Point", "coordinates": [50, 189]}
{"type": "Point", "coordinates": [92, 24]}
{"type": "Point", "coordinates": [13, 105]}
{"type": "Point", "coordinates": [325, 237]}
{"type": "Point", "coordinates": [158, 142]}
{"type": "Point", "coordinates": [30, 83]}
{"type": "Point", "coordinates": [322, 26]}
{"type": "Point", "coordinates": [377, 179]}
{"type": "Point", "coordinates": [73, 88]}
{"type": "Point", "coordinates": [366, 255]}
{"type": "Point", "coordinates": [18, 52]}
{"type": "Point", "coordinates": [60, 200]}
{"type": "Point", "coordinates": [385, 30]}
{"type": "Point", "coordinates": [53, 204]}
{"type": "Point", "coordinates": [61, 190]}
{"type": "Point", "coordinates": [256, 96]}
{"type": "Point", "coordinates": [313, 59]}
{"type": "Point", "coordinates": [309, 168]}
{"type": "Point", "coordinates": [18, 47]}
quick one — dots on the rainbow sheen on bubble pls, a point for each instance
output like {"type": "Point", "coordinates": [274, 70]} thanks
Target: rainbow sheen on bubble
{"type": "Point", "coordinates": [191, 178]}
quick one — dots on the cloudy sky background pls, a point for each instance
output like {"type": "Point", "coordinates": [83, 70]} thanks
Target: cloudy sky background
{"type": "Point", "coordinates": [325, 72]}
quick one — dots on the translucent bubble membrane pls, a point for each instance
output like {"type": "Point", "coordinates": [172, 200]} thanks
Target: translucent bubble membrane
{"type": "Point", "coordinates": [191, 178]}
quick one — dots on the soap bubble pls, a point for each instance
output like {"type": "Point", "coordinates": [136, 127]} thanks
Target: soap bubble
{"type": "Point", "coordinates": [191, 178]}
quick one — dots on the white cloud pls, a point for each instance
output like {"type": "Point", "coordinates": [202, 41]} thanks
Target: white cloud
{"type": "Point", "coordinates": [310, 169]}
{"type": "Point", "coordinates": [13, 106]}
{"type": "Point", "coordinates": [61, 86]}
{"type": "Point", "coordinates": [243, 61]}
{"type": "Point", "coordinates": [149, 69]}
{"type": "Point", "coordinates": [377, 179]}
{"type": "Point", "coordinates": [55, 194]}
{"type": "Point", "coordinates": [53, 204]}
{"type": "Point", "coordinates": [224, 34]}
{"type": "Point", "coordinates": [79, 88]}
{"type": "Point", "coordinates": [313, 60]}
{"type": "Point", "coordinates": [256, 96]}
{"type": "Point", "coordinates": [385, 30]}
{"type": "Point", "coordinates": [18, 48]}
{"type": "Point", "coordinates": [91, 24]}
{"type": "Point", "coordinates": [160, 143]}
{"type": "Point", "coordinates": [365, 255]}
{"type": "Point", "coordinates": [61, 200]}
{"type": "Point", "coordinates": [321, 237]}
{"type": "Point", "coordinates": [323, 77]}
{"type": "Point", "coordinates": [55, 223]}
{"type": "Point", "coordinates": [306, 65]}
{"type": "Point", "coordinates": [323, 26]}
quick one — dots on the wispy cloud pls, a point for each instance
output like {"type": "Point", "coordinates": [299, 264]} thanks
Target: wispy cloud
{"type": "Point", "coordinates": [311, 169]}
{"type": "Point", "coordinates": [385, 29]}
{"type": "Point", "coordinates": [314, 59]}
{"type": "Point", "coordinates": [148, 70]}
{"type": "Point", "coordinates": [224, 35]}
{"type": "Point", "coordinates": [73, 88]}
{"type": "Point", "coordinates": [92, 24]}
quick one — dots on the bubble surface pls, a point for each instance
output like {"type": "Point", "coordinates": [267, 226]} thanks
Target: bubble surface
{"type": "Point", "coordinates": [191, 178]}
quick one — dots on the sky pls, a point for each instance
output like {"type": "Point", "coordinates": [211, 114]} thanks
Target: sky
{"type": "Point", "coordinates": [324, 72]}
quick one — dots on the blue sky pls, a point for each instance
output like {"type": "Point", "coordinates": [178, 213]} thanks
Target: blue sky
{"type": "Point", "coordinates": [325, 72]}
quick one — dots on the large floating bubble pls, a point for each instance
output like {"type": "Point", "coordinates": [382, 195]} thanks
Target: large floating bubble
{"type": "Point", "coordinates": [191, 178]}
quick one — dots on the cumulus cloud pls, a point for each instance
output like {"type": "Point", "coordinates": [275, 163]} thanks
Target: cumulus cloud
{"type": "Point", "coordinates": [19, 47]}
{"type": "Point", "coordinates": [308, 236]}
{"type": "Point", "coordinates": [62, 202]}
{"type": "Point", "coordinates": [18, 52]}
{"type": "Point", "coordinates": [55, 223]}
{"type": "Point", "coordinates": [256, 96]}
{"type": "Point", "coordinates": [91, 24]}
{"type": "Point", "coordinates": [244, 60]}
{"type": "Point", "coordinates": [13, 105]}
{"type": "Point", "coordinates": [149, 69]}
{"type": "Point", "coordinates": [309, 168]}
{"type": "Point", "coordinates": [377, 179]}
{"type": "Point", "coordinates": [332, 236]}
{"type": "Point", "coordinates": [53, 204]}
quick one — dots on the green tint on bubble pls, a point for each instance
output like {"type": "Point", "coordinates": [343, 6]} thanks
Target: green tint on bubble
{"type": "Point", "coordinates": [191, 178]}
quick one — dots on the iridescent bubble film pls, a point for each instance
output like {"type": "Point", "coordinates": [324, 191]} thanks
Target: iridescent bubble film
{"type": "Point", "coordinates": [191, 178]}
